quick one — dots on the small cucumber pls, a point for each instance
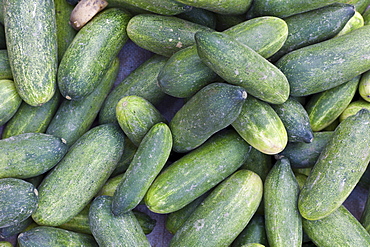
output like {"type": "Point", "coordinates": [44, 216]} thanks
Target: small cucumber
{"type": "Point", "coordinates": [353, 108]}
{"type": "Point", "coordinates": [338, 168]}
{"type": "Point", "coordinates": [225, 7]}
{"type": "Point", "coordinates": [364, 86]}
{"type": "Point", "coordinates": [223, 214]}
{"type": "Point", "coordinates": [10, 100]}
{"type": "Point", "coordinates": [192, 125]}
{"type": "Point", "coordinates": [5, 70]}
{"type": "Point", "coordinates": [254, 232]}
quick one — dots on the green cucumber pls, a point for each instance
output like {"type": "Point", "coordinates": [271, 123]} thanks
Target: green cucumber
{"type": "Point", "coordinates": [73, 118]}
{"type": "Point", "coordinates": [200, 16]}
{"type": "Point", "coordinates": [10, 100]}
{"type": "Point", "coordinates": [110, 186]}
{"type": "Point", "coordinates": [112, 230]}
{"type": "Point", "coordinates": [338, 168]}
{"type": "Point", "coordinates": [282, 219]}
{"type": "Point", "coordinates": [89, 55]}
{"type": "Point", "coordinates": [254, 232]}
{"type": "Point", "coordinates": [150, 157]}
{"type": "Point", "coordinates": [193, 174]}
{"type": "Point", "coordinates": [163, 35]}
{"type": "Point", "coordinates": [364, 86]}
{"type": "Point", "coordinates": [145, 221]}
{"type": "Point", "coordinates": [56, 237]}
{"type": "Point", "coordinates": [2, 31]}
{"type": "Point", "coordinates": [15, 229]}
{"type": "Point", "coordinates": [5, 70]}
{"type": "Point", "coordinates": [30, 154]}
{"type": "Point", "coordinates": [366, 16]}
{"type": "Point", "coordinates": [238, 64]}
{"type": "Point", "coordinates": [323, 108]}
{"type": "Point", "coordinates": [267, 134]}
{"type": "Point", "coordinates": [314, 68]}
{"type": "Point", "coordinates": [353, 108]}
{"type": "Point", "coordinates": [258, 162]}
{"type": "Point", "coordinates": [355, 22]}
{"type": "Point", "coordinates": [295, 119]}
{"type": "Point", "coordinates": [31, 38]}
{"type": "Point", "coordinates": [141, 82]}
{"type": "Point", "coordinates": [5, 244]}
{"type": "Point", "coordinates": [225, 7]}
{"type": "Point", "coordinates": [192, 125]}
{"type": "Point", "coordinates": [128, 153]}
{"type": "Point", "coordinates": [79, 175]}
{"type": "Point", "coordinates": [135, 116]}
{"type": "Point", "coordinates": [223, 214]}
{"type": "Point", "coordinates": [224, 22]}
{"type": "Point", "coordinates": [18, 200]}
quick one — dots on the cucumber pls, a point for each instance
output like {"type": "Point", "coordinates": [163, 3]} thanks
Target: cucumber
{"type": "Point", "coordinates": [141, 82]}
{"type": "Point", "coordinates": [79, 175]}
{"type": "Point", "coordinates": [18, 200]}
{"type": "Point", "coordinates": [150, 157]}
{"type": "Point", "coordinates": [128, 153]}
{"type": "Point", "coordinates": [282, 219]}
{"type": "Point", "coordinates": [353, 108]}
{"type": "Point", "coordinates": [10, 100]}
{"type": "Point", "coordinates": [163, 35]}
{"type": "Point", "coordinates": [225, 7]}
{"type": "Point", "coordinates": [31, 38]}
{"type": "Point", "coordinates": [254, 232]}
{"type": "Point", "coordinates": [5, 244]}
{"type": "Point", "coordinates": [145, 221]}
{"type": "Point", "coordinates": [193, 174]}
{"type": "Point", "coordinates": [338, 168]}
{"type": "Point", "coordinates": [238, 64]}
{"type": "Point", "coordinates": [52, 236]}
{"type": "Point", "coordinates": [224, 22]}
{"type": "Point", "coordinates": [200, 16]}
{"type": "Point", "coordinates": [110, 186]}
{"type": "Point", "coordinates": [267, 134]}
{"type": "Point", "coordinates": [223, 214]}
{"type": "Point", "coordinates": [30, 154]}
{"type": "Point", "coordinates": [258, 162]}
{"type": "Point", "coordinates": [89, 55]}
{"type": "Point", "coordinates": [314, 68]}
{"type": "Point", "coordinates": [364, 86]}
{"type": "Point", "coordinates": [323, 108]}
{"type": "Point", "coordinates": [5, 70]}
{"type": "Point", "coordinates": [355, 22]}
{"type": "Point", "coordinates": [191, 126]}
{"type": "Point", "coordinates": [111, 230]}
{"type": "Point", "coordinates": [15, 229]}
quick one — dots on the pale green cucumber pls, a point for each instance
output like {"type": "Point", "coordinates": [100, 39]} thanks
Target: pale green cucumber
{"type": "Point", "coordinates": [353, 108]}
{"type": "Point", "coordinates": [364, 86]}
{"type": "Point", "coordinates": [10, 100]}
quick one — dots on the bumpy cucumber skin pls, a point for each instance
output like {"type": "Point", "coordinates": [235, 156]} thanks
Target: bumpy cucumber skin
{"type": "Point", "coordinates": [5, 70]}
{"type": "Point", "coordinates": [282, 218]}
{"type": "Point", "coordinates": [31, 38]}
{"type": "Point", "coordinates": [150, 157]}
{"type": "Point", "coordinates": [89, 55]}
{"type": "Point", "coordinates": [162, 7]}
{"type": "Point", "coordinates": [112, 230]}
{"type": "Point", "coordinates": [338, 168]}
{"type": "Point", "coordinates": [238, 64]}
{"type": "Point", "coordinates": [254, 232]}
{"type": "Point", "coordinates": [193, 174]}
{"type": "Point", "coordinates": [223, 214]}
{"type": "Point", "coordinates": [192, 125]}
{"type": "Point", "coordinates": [79, 175]}
{"type": "Point", "coordinates": [314, 68]}
{"type": "Point", "coordinates": [18, 200]}
{"type": "Point", "coordinates": [225, 7]}
{"type": "Point", "coordinates": [10, 100]}
{"type": "Point", "coordinates": [52, 236]}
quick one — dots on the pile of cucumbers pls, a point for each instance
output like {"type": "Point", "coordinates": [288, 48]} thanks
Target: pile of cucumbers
{"type": "Point", "coordinates": [248, 124]}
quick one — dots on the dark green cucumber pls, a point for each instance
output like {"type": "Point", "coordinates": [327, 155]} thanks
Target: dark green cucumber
{"type": "Point", "coordinates": [338, 168]}
{"type": "Point", "coordinates": [323, 108]}
{"type": "Point", "coordinates": [73, 118]}
{"type": "Point", "coordinates": [267, 134]}
{"type": "Point", "coordinates": [295, 119]}
{"type": "Point", "coordinates": [14, 229]}
{"type": "Point", "coordinates": [128, 153]}
{"type": "Point", "coordinates": [162, 7]}
{"type": "Point", "coordinates": [224, 22]}
{"type": "Point", "coordinates": [192, 125]}
{"type": "Point", "coordinates": [282, 219]}
{"type": "Point", "coordinates": [223, 214]}
{"type": "Point", "coordinates": [31, 39]}
{"type": "Point", "coordinates": [112, 230]}
{"type": "Point", "coordinates": [225, 7]}
{"type": "Point", "coordinates": [10, 100]}
{"type": "Point", "coordinates": [30, 154]}
{"type": "Point", "coordinates": [5, 70]}
{"type": "Point", "coordinates": [79, 175]}
{"type": "Point", "coordinates": [135, 116]}
{"type": "Point", "coordinates": [192, 175]}
{"type": "Point", "coordinates": [18, 200]}
{"type": "Point", "coordinates": [258, 162]}
{"type": "Point", "coordinates": [254, 232]}
{"type": "Point", "coordinates": [32, 119]}
{"type": "Point", "coordinates": [200, 16]}
{"type": "Point", "coordinates": [2, 31]}
{"type": "Point", "coordinates": [52, 236]}
{"type": "Point", "coordinates": [353, 108]}
{"type": "Point", "coordinates": [145, 221]}
{"type": "Point", "coordinates": [141, 82]}
{"type": "Point", "coordinates": [150, 157]}
{"type": "Point", "coordinates": [91, 52]}
{"type": "Point", "coordinates": [238, 64]}
{"type": "Point", "coordinates": [355, 22]}
{"type": "Point", "coordinates": [314, 68]}
{"type": "Point", "coordinates": [163, 35]}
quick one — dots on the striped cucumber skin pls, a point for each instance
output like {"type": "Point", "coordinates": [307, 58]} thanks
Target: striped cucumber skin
{"type": "Point", "coordinates": [191, 126]}
{"type": "Point", "coordinates": [282, 218]}
{"type": "Point", "coordinates": [162, 7]}
{"type": "Point", "coordinates": [79, 175]}
{"type": "Point", "coordinates": [338, 168]}
{"type": "Point", "coordinates": [10, 100]}
{"type": "Point", "coordinates": [31, 38]}
{"type": "Point", "coordinates": [150, 157]}
{"type": "Point", "coordinates": [30, 154]}
{"type": "Point", "coordinates": [314, 68]}
{"type": "Point", "coordinates": [238, 64]}
{"type": "Point", "coordinates": [89, 55]}
{"type": "Point", "coordinates": [254, 232]}
{"type": "Point", "coordinates": [353, 108]}
{"type": "Point", "coordinates": [52, 236]}
{"type": "Point", "coordinates": [18, 200]}
{"type": "Point", "coordinates": [112, 230]}
{"type": "Point", "coordinates": [223, 214]}
{"type": "Point", "coordinates": [5, 70]}
{"type": "Point", "coordinates": [74, 118]}
{"type": "Point", "coordinates": [225, 7]}
{"type": "Point", "coordinates": [192, 175]}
